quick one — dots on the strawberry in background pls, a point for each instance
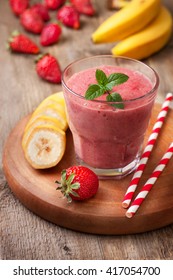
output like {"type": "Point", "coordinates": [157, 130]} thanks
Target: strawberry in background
{"type": "Point", "coordinates": [32, 16]}
{"type": "Point", "coordinates": [22, 44]}
{"type": "Point", "coordinates": [48, 68]}
{"type": "Point", "coordinates": [84, 7]}
{"type": "Point", "coordinates": [50, 34]}
{"type": "Point", "coordinates": [54, 4]}
{"type": "Point", "coordinates": [41, 10]}
{"type": "Point", "coordinates": [19, 6]}
{"type": "Point", "coordinates": [32, 21]}
{"type": "Point", "coordinates": [69, 16]}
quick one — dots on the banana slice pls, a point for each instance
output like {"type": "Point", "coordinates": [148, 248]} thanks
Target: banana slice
{"type": "Point", "coordinates": [52, 111]}
{"type": "Point", "coordinates": [44, 138]}
{"type": "Point", "coordinates": [55, 98]}
{"type": "Point", "coordinates": [45, 146]}
{"type": "Point", "coordinates": [43, 120]}
{"type": "Point", "coordinates": [51, 102]}
{"type": "Point", "coordinates": [58, 97]}
{"type": "Point", "coordinates": [56, 107]}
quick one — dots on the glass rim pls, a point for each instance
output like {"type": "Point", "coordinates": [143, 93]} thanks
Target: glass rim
{"type": "Point", "coordinates": [154, 88]}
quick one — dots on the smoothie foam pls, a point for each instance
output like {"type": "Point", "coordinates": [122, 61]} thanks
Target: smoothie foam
{"type": "Point", "coordinates": [136, 86]}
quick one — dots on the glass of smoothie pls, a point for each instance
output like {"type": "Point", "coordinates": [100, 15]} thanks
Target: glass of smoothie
{"type": "Point", "coordinates": [108, 133]}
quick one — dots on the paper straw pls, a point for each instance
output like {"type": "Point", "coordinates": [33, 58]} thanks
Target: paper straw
{"type": "Point", "coordinates": [147, 151]}
{"type": "Point", "coordinates": [150, 182]}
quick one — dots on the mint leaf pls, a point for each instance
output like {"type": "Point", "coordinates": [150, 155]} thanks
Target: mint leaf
{"type": "Point", "coordinates": [115, 97]}
{"type": "Point", "coordinates": [105, 85]}
{"type": "Point", "coordinates": [94, 91]}
{"type": "Point", "coordinates": [109, 86]}
{"type": "Point", "coordinates": [117, 78]}
{"type": "Point", "coordinates": [101, 77]}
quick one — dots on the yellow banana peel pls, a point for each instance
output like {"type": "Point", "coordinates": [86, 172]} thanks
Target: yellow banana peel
{"type": "Point", "coordinates": [148, 41]}
{"type": "Point", "coordinates": [129, 20]}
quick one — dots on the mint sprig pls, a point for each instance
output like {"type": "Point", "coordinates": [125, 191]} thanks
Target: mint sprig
{"type": "Point", "coordinates": [105, 85]}
{"type": "Point", "coordinates": [115, 97]}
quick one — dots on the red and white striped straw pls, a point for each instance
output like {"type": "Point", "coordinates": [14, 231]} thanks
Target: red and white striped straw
{"type": "Point", "coordinates": [147, 151]}
{"type": "Point", "coordinates": [150, 182]}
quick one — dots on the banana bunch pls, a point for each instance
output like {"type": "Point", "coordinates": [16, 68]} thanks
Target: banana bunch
{"type": "Point", "coordinates": [44, 137]}
{"type": "Point", "coordinates": [142, 27]}
{"type": "Point", "coordinates": [149, 40]}
{"type": "Point", "coordinates": [129, 20]}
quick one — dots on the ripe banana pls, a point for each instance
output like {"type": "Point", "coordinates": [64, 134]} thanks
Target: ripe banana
{"type": "Point", "coordinates": [132, 18]}
{"type": "Point", "coordinates": [149, 40]}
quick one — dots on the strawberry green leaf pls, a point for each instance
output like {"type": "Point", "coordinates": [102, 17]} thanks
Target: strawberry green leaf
{"type": "Point", "coordinates": [74, 193]}
{"type": "Point", "coordinates": [75, 186]}
{"type": "Point", "coordinates": [70, 179]}
{"type": "Point", "coordinates": [63, 176]}
{"type": "Point", "coordinates": [69, 199]}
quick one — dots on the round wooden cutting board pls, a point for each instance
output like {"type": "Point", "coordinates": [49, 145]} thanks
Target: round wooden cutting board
{"type": "Point", "coordinates": [102, 214]}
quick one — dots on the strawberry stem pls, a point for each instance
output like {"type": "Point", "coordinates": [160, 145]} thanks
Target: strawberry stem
{"type": "Point", "coordinates": [67, 187]}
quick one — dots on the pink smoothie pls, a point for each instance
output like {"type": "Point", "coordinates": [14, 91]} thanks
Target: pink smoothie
{"type": "Point", "coordinates": [106, 137]}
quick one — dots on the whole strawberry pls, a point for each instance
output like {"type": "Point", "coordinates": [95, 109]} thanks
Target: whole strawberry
{"type": "Point", "coordinates": [19, 6]}
{"type": "Point", "coordinates": [50, 34]}
{"type": "Point", "coordinates": [54, 4]}
{"type": "Point", "coordinates": [48, 69]}
{"type": "Point", "coordinates": [84, 7]}
{"type": "Point", "coordinates": [22, 44]}
{"type": "Point", "coordinates": [69, 16]}
{"type": "Point", "coordinates": [78, 183]}
{"type": "Point", "coordinates": [41, 10]}
{"type": "Point", "coordinates": [31, 21]}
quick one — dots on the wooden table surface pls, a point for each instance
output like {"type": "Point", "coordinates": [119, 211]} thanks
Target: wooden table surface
{"type": "Point", "coordinates": [23, 234]}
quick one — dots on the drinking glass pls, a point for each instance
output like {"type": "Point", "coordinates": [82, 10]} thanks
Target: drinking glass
{"type": "Point", "coordinates": [107, 139]}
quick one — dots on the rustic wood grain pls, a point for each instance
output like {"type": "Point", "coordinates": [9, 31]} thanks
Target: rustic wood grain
{"type": "Point", "coordinates": [23, 234]}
